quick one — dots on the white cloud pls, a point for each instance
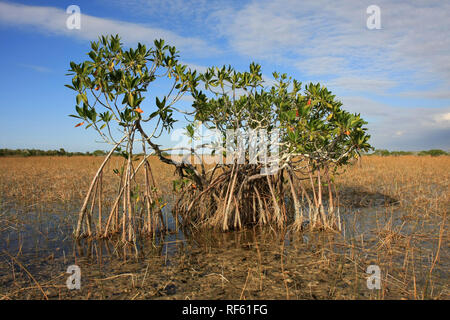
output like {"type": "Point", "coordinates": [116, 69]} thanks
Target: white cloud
{"type": "Point", "coordinates": [322, 65]}
{"type": "Point", "coordinates": [258, 32]}
{"type": "Point", "coordinates": [443, 119]}
{"type": "Point", "coordinates": [398, 127]}
{"type": "Point", "coordinates": [323, 37]}
{"type": "Point", "coordinates": [362, 84]}
{"type": "Point", "coordinates": [435, 93]}
{"type": "Point", "coordinates": [53, 21]}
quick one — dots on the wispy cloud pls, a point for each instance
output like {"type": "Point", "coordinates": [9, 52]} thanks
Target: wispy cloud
{"type": "Point", "coordinates": [435, 93]}
{"type": "Point", "coordinates": [53, 21]}
{"type": "Point", "coordinates": [36, 68]}
{"type": "Point", "coordinates": [361, 84]}
{"type": "Point", "coordinates": [323, 37]}
{"type": "Point", "coordinates": [407, 60]}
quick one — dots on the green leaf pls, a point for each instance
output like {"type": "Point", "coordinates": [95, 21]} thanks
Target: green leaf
{"type": "Point", "coordinates": [79, 99]}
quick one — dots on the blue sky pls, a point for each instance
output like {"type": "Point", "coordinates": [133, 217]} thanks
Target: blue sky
{"type": "Point", "coordinates": [397, 77]}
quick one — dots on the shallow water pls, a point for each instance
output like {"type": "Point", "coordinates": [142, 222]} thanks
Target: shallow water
{"type": "Point", "coordinates": [43, 243]}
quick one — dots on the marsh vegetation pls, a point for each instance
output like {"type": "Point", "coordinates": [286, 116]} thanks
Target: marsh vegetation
{"type": "Point", "coordinates": [394, 214]}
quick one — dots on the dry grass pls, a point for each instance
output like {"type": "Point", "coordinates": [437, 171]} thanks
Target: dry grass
{"type": "Point", "coordinates": [47, 181]}
{"type": "Point", "coordinates": [419, 183]}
